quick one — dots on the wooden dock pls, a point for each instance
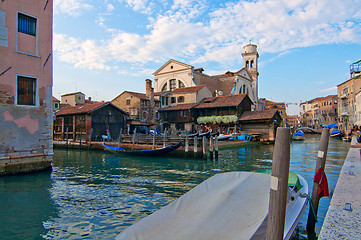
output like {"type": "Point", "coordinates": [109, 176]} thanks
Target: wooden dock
{"type": "Point", "coordinates": [343, 219]}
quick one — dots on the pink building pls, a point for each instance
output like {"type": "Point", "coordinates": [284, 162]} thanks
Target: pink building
{"type": "Point", "coordinates": [25, 85]}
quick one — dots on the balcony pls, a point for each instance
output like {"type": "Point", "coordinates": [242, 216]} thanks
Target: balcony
{"type": "Point", "coordinates": [344, 96]}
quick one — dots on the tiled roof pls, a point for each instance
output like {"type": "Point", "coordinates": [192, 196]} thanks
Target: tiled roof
{"type": "Point", "coordinates": [80, 109]}
{"type": "Point", "coordinates": [69, 94]}
{"type": "Point", "coordinates": [188, 89]}
{"type": "Point", "coordinates": [257, 115]}
{"type": "Point", "coordinates": [138, 95]}
{"type": "Point", "coordinates": [55, 99]}
{"type": "Point", "coordinates": [178, 107]}
{"type": "Point", "coordinates": [222, 101]}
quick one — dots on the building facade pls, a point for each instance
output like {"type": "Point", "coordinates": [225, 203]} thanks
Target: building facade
{"type": "Point", "coordinates": [175, 74]}
{"type": "Point", "coordinates": [347, 91]}
{"type": "Point", "coordinates": [26, 85]}
{"type": "Point", "coordinates": [319, 112]}
{"type": "Point", "coordinates": [88, 122]}
{"type": "Point", "coordinates": [140, 107]}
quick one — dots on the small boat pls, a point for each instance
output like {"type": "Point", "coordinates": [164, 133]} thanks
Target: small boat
{"type": "Point", "coordinates": [346, 139]}
{"type": "Point", "coordinates": [206, 134]}
{"type": "Point", "coordinates": [337, 134]}
{"type": "Point", "coordinates": [231, 205]}
{"type": "Point", "coordinates": [144, 152]}
{"type": "Point", "coordinates": [224, 136]}
{"type": "Point", "coordinates": [298, 136]}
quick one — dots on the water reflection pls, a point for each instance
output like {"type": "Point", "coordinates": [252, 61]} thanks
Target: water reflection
{"type": "Point", "coordinates": [95, 195]}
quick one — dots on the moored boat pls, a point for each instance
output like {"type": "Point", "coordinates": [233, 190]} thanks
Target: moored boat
{"type": "Point", "coordinates": [298, 136]}
{"type": "Point", "coordinates": [231, 205]}
{"type": "Point", "coordinates": [224, 136]}
{"type": "Point", "coordinates": [144, 152]}
{"type": "Point", "coordinates": [337, 134]}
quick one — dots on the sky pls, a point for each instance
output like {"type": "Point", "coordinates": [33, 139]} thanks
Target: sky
{"type": "Point", "coordinates": [105, 47]}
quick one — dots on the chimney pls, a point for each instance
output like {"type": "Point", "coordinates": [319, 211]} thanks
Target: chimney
{"type": "Point", "coordinates": [89, 99]}
{"type": "Point", "coordinates": [149, 92]}
{"type": "Point", "coordinates": [148, 88]}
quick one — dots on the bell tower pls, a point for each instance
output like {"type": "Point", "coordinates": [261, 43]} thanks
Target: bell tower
{"type": "Point", "coordinates": [250, 61]}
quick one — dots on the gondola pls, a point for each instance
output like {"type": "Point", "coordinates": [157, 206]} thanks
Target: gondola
{"type": "Point", "coordinates": [144, 152]}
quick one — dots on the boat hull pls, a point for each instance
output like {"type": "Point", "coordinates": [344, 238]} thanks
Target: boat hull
{"type": "Point", "coordinates": [146, 152]}
{"type": "Point", "coordinates": [216, 209]}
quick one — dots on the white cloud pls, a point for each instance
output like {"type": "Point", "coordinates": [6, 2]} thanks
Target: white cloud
{"type": "Point", "coordinates": [71, 7]}
{"type": "Point", "coordinates": [139, 5]}
{"type": "Point", "coordinates": [110, 7]}
{"type": "Point", "coordinates": [183, 33]}
{"type": "Point", "coordinates": [329, 89]}
{"type": "Point", "coordinates": [84, 54]}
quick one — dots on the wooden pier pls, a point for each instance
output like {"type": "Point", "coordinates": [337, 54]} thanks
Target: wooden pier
{"type": "Point", "coordinates": [343, 219]}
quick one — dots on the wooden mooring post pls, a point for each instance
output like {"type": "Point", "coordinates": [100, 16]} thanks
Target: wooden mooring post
{"type": "Point", "coordinates": [120, 136]}
{"type": "Point", "coordinates": [81, 136]}
{"type": "Point", "coordinates": [211, 143]}
{"type": "Point", "coordinates": [90, 138]}
{"type": "Point", "coordinates": [321, 162]}
{"type": "Point", "coordinates": [216, 148]}
{"type": "Point", "coordinates": [204, 147]}
{"type": "Point", "coordinates": [195, 148]}
{"type": "Point", "coordinates": [154, 139]}
{"type": "Point", "coordinates": [165, 137]}
{"type": "Point", "coordinates": [279, 185]}
{"type": "Point", "coordinates": [186, 147]}
{"type": "Point", "coordinates": [67, 137]}
{"type": "Point", "coordinates": [134, 133]}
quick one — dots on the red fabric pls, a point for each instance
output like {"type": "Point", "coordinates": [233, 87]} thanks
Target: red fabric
{"type": "Point", "coordinates": [320, 178]}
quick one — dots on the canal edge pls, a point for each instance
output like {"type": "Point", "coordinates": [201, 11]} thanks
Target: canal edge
{"type": "Point", "coordinates": [343, 218]}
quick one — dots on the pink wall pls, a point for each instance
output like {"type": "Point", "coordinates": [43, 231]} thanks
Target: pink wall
{"type": "Point", "coordinates": [26, 128]}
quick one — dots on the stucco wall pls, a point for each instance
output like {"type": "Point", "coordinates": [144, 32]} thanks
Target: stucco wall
{"type": "Point", "coordinates": [26, 129]}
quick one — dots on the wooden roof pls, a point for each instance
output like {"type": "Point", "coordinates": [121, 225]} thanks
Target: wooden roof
{"type": "Point", "coordinates": [258, 115]}
{"type": "Point", "coordinates": [179, 107]}
{"type": "Point", "coordinates": [84, 108]}
{"type": "Point", "coordinates": [188, 89]}
{"type": "Point", "coordinates": [222, 101]}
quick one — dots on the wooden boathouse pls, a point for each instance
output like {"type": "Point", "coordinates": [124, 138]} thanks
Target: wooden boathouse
{"type": "Point", "coordinates": [89, 122]}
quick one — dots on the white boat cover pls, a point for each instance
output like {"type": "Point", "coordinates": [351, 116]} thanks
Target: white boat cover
{"type": "Point", "coordinates": [226, 206]}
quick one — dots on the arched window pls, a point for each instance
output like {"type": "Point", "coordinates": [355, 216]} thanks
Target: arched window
{"type": "Point", "coordinates": [180, 84]}
{"type": "Point", "coordinates": [240, 90]}
{"type": "Point", "coordinates": [247, 64]}
{"type": "Point", "coordinates": [164, 88]}
{"type": "Point", "coordinates": [252, 63]}
{"type": "Point", "coordinates": [172, 84]}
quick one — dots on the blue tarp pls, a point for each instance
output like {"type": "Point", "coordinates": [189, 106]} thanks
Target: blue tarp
{"type": "Point", "coordinates": [333, 125]}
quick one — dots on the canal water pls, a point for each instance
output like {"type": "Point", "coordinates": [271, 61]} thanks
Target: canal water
{"type": "Point", "coordinates": [95, 195]}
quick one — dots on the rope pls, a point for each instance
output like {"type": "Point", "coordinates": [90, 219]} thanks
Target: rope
{"type": "Point", "coordinates": [311, 205]}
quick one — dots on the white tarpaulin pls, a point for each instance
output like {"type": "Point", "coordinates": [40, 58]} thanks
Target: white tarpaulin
{"type": "Point", "coordinates": [226, 206]}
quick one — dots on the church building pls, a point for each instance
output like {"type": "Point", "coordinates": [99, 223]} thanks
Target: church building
{"type": "Point", "coordinates": [175, 74]}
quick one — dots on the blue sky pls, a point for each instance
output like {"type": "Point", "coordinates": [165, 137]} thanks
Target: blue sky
{"type": "Point", "coordinates": [105, 47]}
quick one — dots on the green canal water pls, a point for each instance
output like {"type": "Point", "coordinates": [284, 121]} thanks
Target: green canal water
{"type": "Point", "coordinates": [95, 195]}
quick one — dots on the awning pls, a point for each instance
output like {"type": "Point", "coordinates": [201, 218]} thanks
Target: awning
{"type": "Point", "coordinates": [333, 125]}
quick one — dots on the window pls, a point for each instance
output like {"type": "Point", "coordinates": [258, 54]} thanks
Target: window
{"type": "Point", "coordinates": [251, 63]}
{"type": "Point", "coordinates": [26, 24]}
{"type": "Point", "coordinates": [26, 91]}
{"type": "Point", "coordinates": [172, 84]}
{"type": "Point", "coordinates": [164, 87]}
{"type": "Point", "coordinates": [181, 84]}
{"type": "Point", "coordinates": [172, 100]}
{"type": "Point", "coordinates": [56, 105]}
{"type": "Point", "coordinates": [127, 101]}
{"type": "Point", "coordinates": [180, 99]}
{"type": "Point", "coordinates": [247, 64]}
